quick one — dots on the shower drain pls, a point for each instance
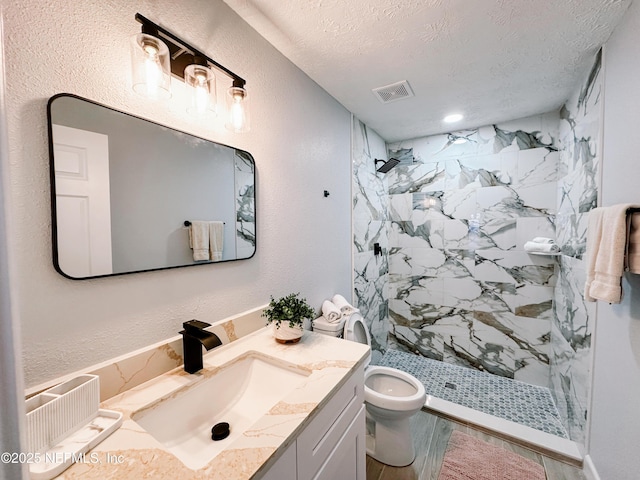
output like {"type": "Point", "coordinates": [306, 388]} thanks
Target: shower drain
{"type": "Point", "coordinates": [450, 385]}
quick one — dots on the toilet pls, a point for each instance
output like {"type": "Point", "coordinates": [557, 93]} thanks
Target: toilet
{"type": "Point", "coordinates": [391, 398]}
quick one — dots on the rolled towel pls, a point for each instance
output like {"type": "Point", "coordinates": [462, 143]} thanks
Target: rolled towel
{"type": "Point", "coordinates": [541, 247]}
{"type": "Point", "coordinates": [331, 312]}
{"type": "Point", "coordinates": [345, 307]}
{"type": "Point", "coordinates": [543, 240]}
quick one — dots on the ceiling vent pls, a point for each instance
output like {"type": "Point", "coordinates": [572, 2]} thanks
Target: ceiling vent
{"type": "Point", "coordinates": [393, 92]}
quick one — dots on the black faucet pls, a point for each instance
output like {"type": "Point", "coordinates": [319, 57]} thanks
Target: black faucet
{"type": "Point", "coordinates": [193, 338]}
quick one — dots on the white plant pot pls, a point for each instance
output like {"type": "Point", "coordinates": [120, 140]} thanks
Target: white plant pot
{"type": "Point", "coordinates": [287, 334]}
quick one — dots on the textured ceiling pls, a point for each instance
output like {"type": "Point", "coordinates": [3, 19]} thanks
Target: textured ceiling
{"type": "Point", "coordinates": [492, 60]}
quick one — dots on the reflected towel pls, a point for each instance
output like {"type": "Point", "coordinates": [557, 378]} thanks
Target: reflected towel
{"type": "Point", "coordinates": [331, 312]}
{"type": "Point", "coordinates": [606, 247]}
{"type": "Point", "coordinates": [199, 240]}
{"type": "Point", "coordinates": [541, 247]}
{"type": "Point", "coordinates": [216, 240]}
{"type": "Point", "coordinates": [345, 307]}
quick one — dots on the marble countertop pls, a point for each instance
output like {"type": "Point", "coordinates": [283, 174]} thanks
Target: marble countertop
{"type": "Point", "coordinates": [131, 452]}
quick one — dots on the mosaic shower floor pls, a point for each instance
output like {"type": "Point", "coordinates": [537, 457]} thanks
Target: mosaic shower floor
{"type": "Point", "coordinates": [502, 397]}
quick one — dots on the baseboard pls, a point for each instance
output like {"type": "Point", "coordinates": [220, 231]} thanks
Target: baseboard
{"type": "Point", "coordinates": [589, 469]}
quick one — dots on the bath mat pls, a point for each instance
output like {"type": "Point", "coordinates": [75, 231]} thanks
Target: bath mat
{"type": "Point", "coordinates": [468, 458]}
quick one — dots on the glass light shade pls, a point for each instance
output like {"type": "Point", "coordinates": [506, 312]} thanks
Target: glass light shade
{"type": "Point", "coordinates": [238, 110]}
{"type": "Point", "coordinates": [151, 67]}
{"type": "Point", "coordinates": [203, 89]}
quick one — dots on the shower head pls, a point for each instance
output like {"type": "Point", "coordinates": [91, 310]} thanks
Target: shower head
{"type": "Point", "coordinates": [388, 165]}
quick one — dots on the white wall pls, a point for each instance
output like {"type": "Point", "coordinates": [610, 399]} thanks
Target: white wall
{"type": "Point", "coordinates": [615, 417]}
{"type": "Point", "coordinates": [11, 405]}
{"type": "Point", "coordinates": [300, 140]}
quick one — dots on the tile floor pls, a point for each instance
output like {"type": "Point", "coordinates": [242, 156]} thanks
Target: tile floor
{"type": "Point", "coordinates": [512, 400]}
{"type": "Point", "coordinates": [431, 434]}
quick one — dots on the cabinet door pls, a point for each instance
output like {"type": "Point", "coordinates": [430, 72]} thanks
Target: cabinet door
{"type": "Point", "coordinates": [285, 467]}
{"type": "Point", "coordinates": [319, 438]}
{"type": "Point", "coordinates": [347, 461]}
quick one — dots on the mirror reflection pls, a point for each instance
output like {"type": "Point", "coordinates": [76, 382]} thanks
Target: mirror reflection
{"type": "Point", "coordinates": [129, 195]}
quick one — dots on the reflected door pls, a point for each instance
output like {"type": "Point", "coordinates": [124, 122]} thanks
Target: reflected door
{"type": "Point", "coordinates": [83, 209]}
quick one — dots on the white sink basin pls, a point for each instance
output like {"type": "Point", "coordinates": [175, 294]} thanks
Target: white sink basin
{"type": "Point", "coordinates": [240, 393]}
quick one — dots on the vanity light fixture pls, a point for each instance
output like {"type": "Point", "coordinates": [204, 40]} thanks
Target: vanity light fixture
{"type": "Point", "coordinates": [157, 54]}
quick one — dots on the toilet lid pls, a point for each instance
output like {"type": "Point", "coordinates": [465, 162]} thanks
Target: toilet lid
{"type": "Point", "coordinates": [356, 330]}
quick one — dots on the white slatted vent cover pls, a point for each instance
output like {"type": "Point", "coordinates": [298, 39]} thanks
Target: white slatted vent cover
{"type": "Point", "coordinates": [394, 92]}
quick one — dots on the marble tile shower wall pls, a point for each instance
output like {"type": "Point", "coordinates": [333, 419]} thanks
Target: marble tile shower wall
{"type": "Point", "coordinates": [578, 185]}
{"type": "Point", "coordinates": [370, 226]}
{"type": "Point", "coordinates": [462, 289]}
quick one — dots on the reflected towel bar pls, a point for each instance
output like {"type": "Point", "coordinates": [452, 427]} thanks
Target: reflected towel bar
{"type": "Point", "coordinates": [187, 223]}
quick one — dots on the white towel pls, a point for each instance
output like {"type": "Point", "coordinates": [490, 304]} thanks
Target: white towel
{"type": "Point", "coordinates": [216, 240]}
{"type": "Point", "coordinates": [541, 247]}
{"type": "Point", "coordinates": [199, 240]}
{"type": "Point", "coordinates": [633, 251]}
{"type": "Point", "coordinates": [543, 240]}
{"type": "Point", "coordinates": [606, 259]}
{"type": "Point", "coordinates": [594, 238]}
{"type": "Point", "coordinates": [331, 312]}
{"type": "Point", "coordinates": [345, 307]}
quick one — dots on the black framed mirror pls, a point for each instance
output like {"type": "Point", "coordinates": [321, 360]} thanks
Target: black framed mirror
{"type": "Point", "coordinates": [129, 195]}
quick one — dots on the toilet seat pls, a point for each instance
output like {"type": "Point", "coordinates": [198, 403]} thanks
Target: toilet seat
{"type": "Point", "coordinates": [395, 390]}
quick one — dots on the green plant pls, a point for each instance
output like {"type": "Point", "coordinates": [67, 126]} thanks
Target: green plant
{"type": "Point", "coordinates": [291, 308]}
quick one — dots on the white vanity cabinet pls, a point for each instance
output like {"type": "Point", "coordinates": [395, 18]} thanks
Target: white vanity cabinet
{"type": "Point", "coordinates": [332, 445]}
{"type": "Point", "coordinates": [285, 466]}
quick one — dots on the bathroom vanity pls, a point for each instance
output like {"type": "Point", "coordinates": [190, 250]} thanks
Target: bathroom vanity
{"type": "Point", "coordinates": [295, 413]}
{"type": "Point", "coordinates": [332, 445]}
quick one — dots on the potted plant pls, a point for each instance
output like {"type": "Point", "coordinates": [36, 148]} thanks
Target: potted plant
{"type": "Point", "coordinates": [287, 315]}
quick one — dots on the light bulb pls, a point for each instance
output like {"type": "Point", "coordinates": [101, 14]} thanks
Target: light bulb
{"type": "Point", "coordinates": [153, 70]}
{"type": "Point", "coordinates": [202, 81]}
{"type": "Point", "coordinates": [238, 113]}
